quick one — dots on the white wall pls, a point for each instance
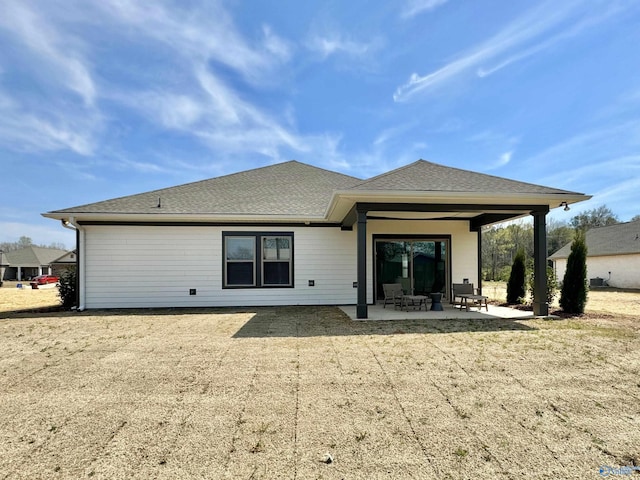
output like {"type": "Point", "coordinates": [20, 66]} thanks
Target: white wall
{"type": "Point", "coordinates": [464, 249]}
{"type": "Point", "coordinates": [625, 269]}
{"type": "Point", "coordinates": [155, 266]}
{"type": "Point", "coordinates": [142, 266]}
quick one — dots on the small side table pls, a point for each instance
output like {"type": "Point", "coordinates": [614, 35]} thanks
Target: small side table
{"type": "Point", "coordinates": [436, 302]}
{"type": "Point", "coordinates": [413, 300]}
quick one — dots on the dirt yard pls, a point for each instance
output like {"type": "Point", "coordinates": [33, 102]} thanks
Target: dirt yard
{"type": "Point", "coordinates": [271, 392]}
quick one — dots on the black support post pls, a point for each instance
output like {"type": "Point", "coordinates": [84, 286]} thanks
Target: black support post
{"type": "Point", "coordinates": [479, 232]}
{"type": "Point", "coordinates": [361, 309]}
{"type": "Point", "coordinates": [540, 305]}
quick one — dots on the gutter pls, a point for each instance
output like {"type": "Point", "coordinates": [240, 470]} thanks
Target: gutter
{"type": "Point", "coordinates": [71, 224]}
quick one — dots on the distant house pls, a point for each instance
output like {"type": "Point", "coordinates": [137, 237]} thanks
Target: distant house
{"type": "Point", "coordinates": [29, 262]}
{"type": "Point", "coordinates": [65, 262]}
{"type": "Point", "coordinates": [295, 234]}
{"type": "Point", "coordinates": [613, 256]}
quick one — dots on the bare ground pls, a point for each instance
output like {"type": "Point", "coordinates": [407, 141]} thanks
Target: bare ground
{"type": "Point", "coordinates": [266, 393]}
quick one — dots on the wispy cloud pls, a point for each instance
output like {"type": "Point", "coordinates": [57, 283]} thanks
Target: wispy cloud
{"type": "Point", "coordinates": [207, 33]}
{"type": "Point", "coordinates": [59, 60]}
{"type": "Point", "coordinates": [204, 103]}
{"type": "Point", "coordinates": [504, 159]}
{"type": "Point", "coordinates": [56, 109]}
{"type": "Point", "coordinates": [416, 7]}
{"type": "Point", "coordinates": [537, 25]}
{"type": "Point", "coordinates": [45, 129]}
{"type": "Point", "coordinates": [334, 43]}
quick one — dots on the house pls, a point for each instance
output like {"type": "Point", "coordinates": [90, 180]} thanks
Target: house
{"type": "Point", "coordinates": [28, 262]}
{"type": "Point", "coordinates": [613, 256]}
{"type": "Point", "coordinates": [295, 234]}
{"type": "Point", "coordinates": [63, 263]}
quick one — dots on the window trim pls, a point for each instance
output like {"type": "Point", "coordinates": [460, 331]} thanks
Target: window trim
{"type": "Point", "coordinates": [258, 260]}
{"type": "Point", "coordinates": [253, 262]}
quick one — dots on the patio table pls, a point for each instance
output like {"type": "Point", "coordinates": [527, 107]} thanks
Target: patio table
{"type": "Point", "coordinates": [413, 300]}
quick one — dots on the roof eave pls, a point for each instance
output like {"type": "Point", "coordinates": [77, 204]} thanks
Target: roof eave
{"type": "Point", "coordinates": [343, 200]}
{"type": "Point", "coordinates": [181, 217]}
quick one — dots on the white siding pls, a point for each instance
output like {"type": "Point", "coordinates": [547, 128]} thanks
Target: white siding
{"type": "Point", "coordinates": [140, 266]}
{"type": "Point", "coordinates": [625, 269]}
{"type": "Point", "coordinates": [155, 266]}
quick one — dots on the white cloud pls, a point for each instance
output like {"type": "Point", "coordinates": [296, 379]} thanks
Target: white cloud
{"type": "Point", "coordinates": [203, 34]}
{"type": "Point", "coordinates": [33, 132]}
{"type": "Point", "coordinates": [416, 7]}
{"type": "Point", "coordinates": [504, 159]}
{"type": "Point", "coordinates": [59, 60]}
{"type": "Point", "coordinates": [535, 25]}
{"type": "Point", "coordinates": [58, 112]}
{"type": "Point", "coordinates": [335, 43]}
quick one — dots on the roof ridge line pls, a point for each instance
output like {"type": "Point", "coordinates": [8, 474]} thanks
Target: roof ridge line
{"type": "Point", "coordinates": [382, 175]}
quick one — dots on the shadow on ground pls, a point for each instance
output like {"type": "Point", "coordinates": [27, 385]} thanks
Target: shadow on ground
{"type": "Point", "coordinates": [331, 321]}
{"type": "Point", "coordinates": [304, 321]}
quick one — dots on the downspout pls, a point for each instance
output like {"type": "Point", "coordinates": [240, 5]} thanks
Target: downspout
{"type": "Point", "coordinates": [71, 224]}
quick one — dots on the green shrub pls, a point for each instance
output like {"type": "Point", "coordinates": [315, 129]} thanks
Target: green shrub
{"type": "Point", "coordinates": [67, 288]}
{"type": "Point", "coordinates": [515, 285]}
{"type": "Point", "coordinates": [552, 285]}
{"type": "Point", "coordinates": [573, 297]}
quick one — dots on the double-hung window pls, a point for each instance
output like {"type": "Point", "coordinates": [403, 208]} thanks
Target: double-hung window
{"type": "Point", "coordinates": [253, 259]}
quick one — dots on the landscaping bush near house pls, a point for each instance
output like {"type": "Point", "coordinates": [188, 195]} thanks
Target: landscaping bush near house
{"type": "Point", "coordinates": [516, 283]}
{"type": "Point", "coordinates": [67, 288]}
{"type": "Point", "coordinates": [552, 285]}
{"type": "Point", "coordinates": [573, 296]}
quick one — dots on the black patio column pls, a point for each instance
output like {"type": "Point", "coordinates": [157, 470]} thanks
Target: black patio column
{"type": "Point", "coordinates": [540, 305]}
{"type": "Point", "coordinates": [479, 232]}
{"type": "Point", "coordinates": [361, 309]}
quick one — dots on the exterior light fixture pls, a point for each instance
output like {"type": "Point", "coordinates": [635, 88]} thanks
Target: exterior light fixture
{"type": "Point", "coordinates": [566, 206]}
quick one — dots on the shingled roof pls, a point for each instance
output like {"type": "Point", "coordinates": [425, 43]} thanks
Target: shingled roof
{"type": "Point", "coordinates": [33, 256]}
{"type": "Point", "coordinates": [297, 190]}
{"type": "Point", "coordinates": [618, 239]}
{"type": "Point", "coordinates": [428, 176]}
{"type": "Point", "coordinates": [289, 188]}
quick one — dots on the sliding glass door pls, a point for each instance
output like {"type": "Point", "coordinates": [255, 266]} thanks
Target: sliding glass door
{"type": "Point", "coordinates": [420, 265]}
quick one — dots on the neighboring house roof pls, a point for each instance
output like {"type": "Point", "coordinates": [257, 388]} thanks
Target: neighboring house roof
{"type": "Point", "coordinates": [68, 257]}
{"type": "Point", "coordinates": [33, 256]}
{"type": "Point", "coordinates": [618, 239]}
{"type": "Point", "coordinates": [428, 176]}
{"type": "Point", "coordinates": [294, 191]}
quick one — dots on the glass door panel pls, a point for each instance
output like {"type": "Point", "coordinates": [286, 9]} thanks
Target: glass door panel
{"type": "Point", "coordinates": [420, 266]}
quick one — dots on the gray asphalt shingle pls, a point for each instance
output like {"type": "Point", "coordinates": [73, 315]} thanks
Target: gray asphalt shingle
{"type": "Point", "coordinates": [428, 176]}
{"type": "Point", "coordinates": [622, 238]}
{"type": "Point", "coordinates": [297, 189]}
{"type": "Point", "coordinates": [290, 188]}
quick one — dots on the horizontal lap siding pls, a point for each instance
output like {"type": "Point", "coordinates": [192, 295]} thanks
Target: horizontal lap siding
{"type": "Point", "coordinates": [141, 266]}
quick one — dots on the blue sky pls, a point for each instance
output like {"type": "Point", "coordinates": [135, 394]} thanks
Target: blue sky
{"type": "Point", "coordinates": [105, 98]}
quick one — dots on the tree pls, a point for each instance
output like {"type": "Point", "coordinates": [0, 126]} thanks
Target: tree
{"type": "Point", "coordinates": [635, 218]}
{"type": "Point", "coordinates": [24, 242]}
{"type": "Point", "coordinates": [558, 235]}
{"type": "Point", "coordinates": [597, 217]}
{"type": "Point", "coordinates": [515, 286]}
{"type": "Point", "coordinates": [573, 296]}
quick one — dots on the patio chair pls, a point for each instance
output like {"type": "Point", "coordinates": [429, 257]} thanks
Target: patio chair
{"type": "Point", "coordinates": [458, 289]}
{"type": "Point", "coordinates": [392, 294]}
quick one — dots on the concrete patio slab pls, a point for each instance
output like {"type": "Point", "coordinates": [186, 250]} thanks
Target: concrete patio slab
{"type": "Point", "coordinates": [377, 312]}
